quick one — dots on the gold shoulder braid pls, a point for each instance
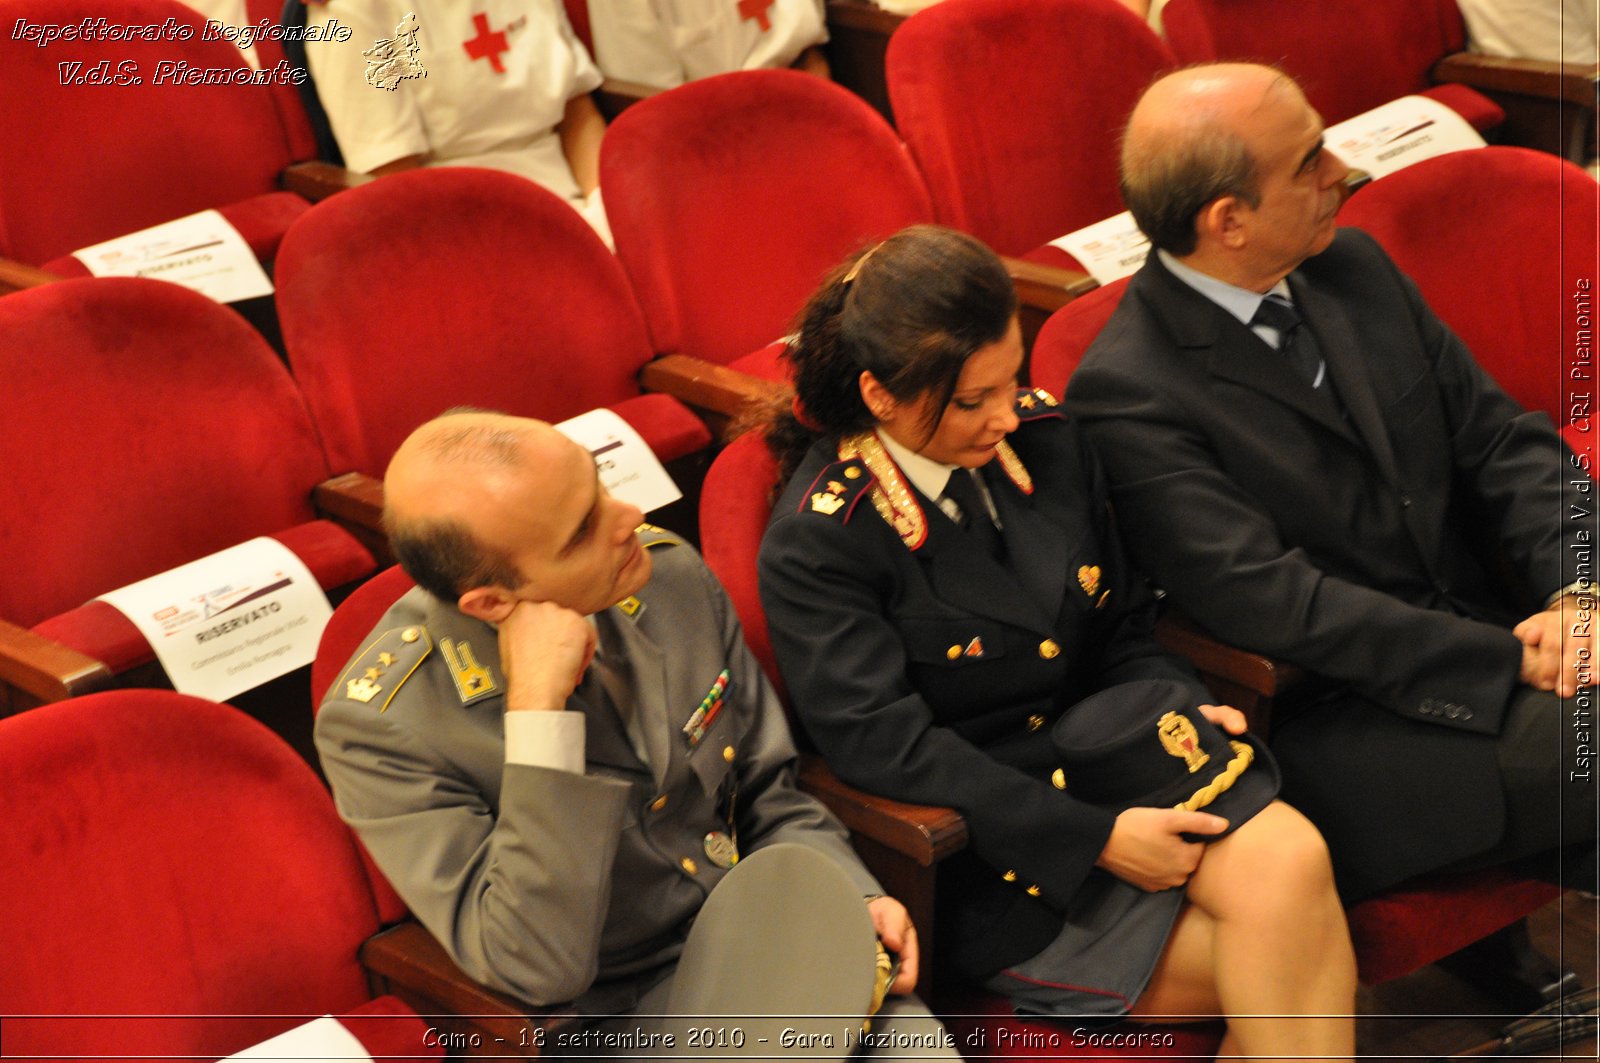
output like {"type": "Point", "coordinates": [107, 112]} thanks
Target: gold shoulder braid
{"type": "Point", "coordinates": [1012, 466]}
{"type": "Point", "coordinates": [1242, 756]}
{"type": "Point", "coordinates": [891, 495]}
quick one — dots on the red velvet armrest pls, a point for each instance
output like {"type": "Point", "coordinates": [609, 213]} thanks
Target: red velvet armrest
{"type": "Point", "coordinates": [405, 961]}
{"type": "Point", "coordinates": [355, 502]}
{"type": "Point", "coordinates": [15, 276]}
{"type": "Point", "coordinates": [33, 669]}
{"type": "Point", "coordinates": [316, 180]}
{"type": "Point", "coordinates": [719, 394]}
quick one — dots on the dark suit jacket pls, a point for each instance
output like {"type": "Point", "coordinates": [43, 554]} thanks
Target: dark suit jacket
{"type": "Point", "coordinates": [933, 674]}
{"type": "Point", "coordinates": [1366, 548]}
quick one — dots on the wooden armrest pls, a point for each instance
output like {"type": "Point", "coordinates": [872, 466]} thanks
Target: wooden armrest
{"type": "Point", "coordinates": [708, 388]}
{"type": "Point", "coordinates": [406, 961]}
{"type": "Point", "coordinates": [355, 501]}
{"type": "Point", "coordinates": [15, 276]}
{"type": "Point", "coordinates": [615, 96]}
{"type": "Point", "coordinates": [316, 180]}
{"type": "Point", "coordinates": [924, 833]}
{"type": "Point", "coordinates": [1255, 672]}
{"type": "Point", "coordinates": [45, 670]}
{"type": "Point", "coordinates": [1047, 288]}
{"type": "Point", "coordinates": [1524, 77]}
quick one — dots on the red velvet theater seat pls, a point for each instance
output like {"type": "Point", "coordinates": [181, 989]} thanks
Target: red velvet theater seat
{"type": "Point", "coordinates": [178, 885]}
{"type": "Point", "coordinates": [1014, 110]}
{"type": "Point", "coordinates": [460, 286]}
{"type": "Point", "coordinates": [1428, 918]}
{"type": "Point", "coordinates": [88, 162]}
{"type": "Point", "coordinates": [730, 197]}
{"type": "Point", "coordinates": [1502, 242]}
{"type": "Point", "coordinates": [145, 427]}
{"type": "Point", "coordinates": [1349, 57]}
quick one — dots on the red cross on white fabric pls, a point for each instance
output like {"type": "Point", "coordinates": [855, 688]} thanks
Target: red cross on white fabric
{"type": "Point", "coordinates": [756, 9]}
{"type": "Point", "coordinates": [487, 45]}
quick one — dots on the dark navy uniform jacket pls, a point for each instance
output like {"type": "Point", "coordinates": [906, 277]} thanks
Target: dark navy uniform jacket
{"type": "Point", "coordinates": [927, 671]}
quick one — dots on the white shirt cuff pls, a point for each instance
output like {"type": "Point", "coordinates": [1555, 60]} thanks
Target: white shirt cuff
{"type": "Point", "coordinates": [546, 740]}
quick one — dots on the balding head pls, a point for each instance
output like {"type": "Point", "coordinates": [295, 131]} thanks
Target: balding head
{"type": "Point", "coordinates": [1188, 141]}
{"type": "Point", "coordinates": [446, 488]}
{"type": "Point", "coordinates": [485, 510]}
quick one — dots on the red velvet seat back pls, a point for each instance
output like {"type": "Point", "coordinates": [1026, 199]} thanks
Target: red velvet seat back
{"type": "Point", "coordinates": [447, 287]}
{"type": "Point", "coordinates": [1349, 57]}
{"type": "Point", "coordinates": [349, 630]}
{"type": "Point", "coordinates": [1502, 242]}
{"type": "Point", "coordinates": [145, 426]}
{"type": "Point", "coordinates": [174, 866]}
{"type": "Point", "coordinates": [87, 162]}
{"type": "Point", "coordinates": [732, 196]}
{"type": "Point", "coordinates": [1066, 336]}
{"type": "Point", "coordinates": [1014, 109]}
{"type": "Point", "coordinates": [735, 503]}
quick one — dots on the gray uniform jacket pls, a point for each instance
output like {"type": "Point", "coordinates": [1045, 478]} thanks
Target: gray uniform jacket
{"type": "Point", "coordinates": [540, 881]}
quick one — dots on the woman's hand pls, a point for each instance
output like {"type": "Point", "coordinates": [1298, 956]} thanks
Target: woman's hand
{"type": "Point", "coordinates": [1147, 847]}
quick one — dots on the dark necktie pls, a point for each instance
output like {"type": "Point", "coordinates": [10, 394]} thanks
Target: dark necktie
{"type": "Point", "coordinates": [962, 489]}
{"type": "Point", "coordinates": [1296, 344]}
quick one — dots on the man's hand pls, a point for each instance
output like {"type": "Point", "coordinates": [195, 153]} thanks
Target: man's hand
{"type": "Point", "coordinates": [543, 652]}
{"type": "Point", "coordinates": [1146, 847]}
{"type": "Point", "coordinates": [893, 924]}
{"type": "Point", "coordinates": [1558, 647]}
{"type": "Point", "coordinates": [1226, 717]}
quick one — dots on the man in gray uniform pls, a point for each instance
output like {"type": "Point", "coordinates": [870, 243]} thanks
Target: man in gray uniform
{"type": "Point", "coordinates": [558, 745]}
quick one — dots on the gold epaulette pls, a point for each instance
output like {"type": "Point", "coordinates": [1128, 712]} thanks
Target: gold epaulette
{"type": "Point", "coordinates": [1034, 404]}
{"type": "Point", "coordinates": [380, 669]}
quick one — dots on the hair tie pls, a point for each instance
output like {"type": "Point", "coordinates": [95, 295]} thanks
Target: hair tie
{"type": "Point", "coordinates": [802, 416]}
{"type": "Point", "coordinates": [855, 270]}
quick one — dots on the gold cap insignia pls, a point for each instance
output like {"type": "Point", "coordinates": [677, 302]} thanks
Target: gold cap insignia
{"type": "Point", "coordinates": [362, 689]}
{"type": "Point", "coordinates": [1089, 578]}
{"type": "Point", "coordinates": [1180, 739]}
{"type": "Point", "coordinates": [473, 681]}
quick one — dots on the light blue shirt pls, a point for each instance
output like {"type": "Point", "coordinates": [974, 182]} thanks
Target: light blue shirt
{"type": "Point", "coordinates": [1240, 302]}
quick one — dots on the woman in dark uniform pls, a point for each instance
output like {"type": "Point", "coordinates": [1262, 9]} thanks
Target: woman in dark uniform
{"type": "Point", "coordinates": [943, 583]}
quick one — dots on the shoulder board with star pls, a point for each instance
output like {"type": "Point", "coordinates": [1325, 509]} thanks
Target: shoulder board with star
{"type": "Point", "coordinates": [837, 489]}
{"type": "Point", "coordinates": [650, 535]}
{"type": "Point", "coordinates": [388, 661]}
{"type": "Point", "coordinates": [1034, 404]}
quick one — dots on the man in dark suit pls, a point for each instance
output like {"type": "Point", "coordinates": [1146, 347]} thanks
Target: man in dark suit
{"type": "Point", "coordinates": [1313, 466]}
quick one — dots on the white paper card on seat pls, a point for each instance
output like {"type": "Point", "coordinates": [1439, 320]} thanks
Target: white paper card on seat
{"type": "Point", "coordinates": [203, 252]}
{"type": "Point", "coordinates": [629, 469]}
{"type": "Point", "coordinates": [1399, 133]}
{"type": "Point", "coordinates": [320, 1039]}
{"type": "Point", "coordinates": [231, 621]}
{"type": "Point", "coordinates": [1109, 250]}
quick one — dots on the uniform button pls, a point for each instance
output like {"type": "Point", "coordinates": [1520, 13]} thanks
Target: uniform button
{"type": "Point", "coordinates": [1033, 891]}
{"type": "Point", "coordinates": [727, 754]}
{"type": "Point", "coordinates": [1405, 500]}
{"type": "Point", "coordinates": [1058, 779]}
{"type": "Point", "coordinates": [659, 803]}
{"type": "Point", "coordinates": [410, 634]}
{"type": "Point", "coordinates": [689, 865]}
{"type": "Point", "coordinates": [1010, 876]}
{"type": "Point", "coordinates": [1049, 649]}
{"type": "Point", "coordinates": [1035, 722]}
{"type": "Point", "coordinates": [953, 652]}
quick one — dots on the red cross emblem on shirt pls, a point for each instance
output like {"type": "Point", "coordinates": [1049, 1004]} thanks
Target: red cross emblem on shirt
{"type": "Point", "coordinates": [487, 45]}
{"type": "Point", "coordinates": [756, 9]}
